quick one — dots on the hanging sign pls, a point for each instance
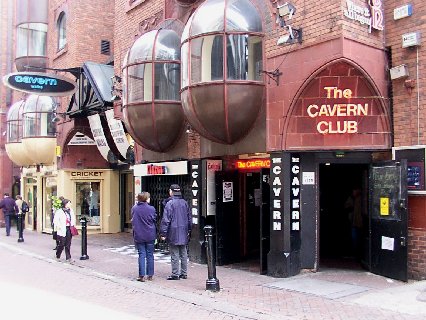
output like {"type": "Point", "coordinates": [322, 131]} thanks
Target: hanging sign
{"type": "Point", "coordinates": [253, 164]}
{"type": "Point", "coordinates": [81, 139]}
{"type": "Point", "coordinates": [42, 84]}
{"type": "Point", "coordinates": [117, 133]}
{"type": "Point", "coordinates": [161, 168]}
{"type": "Point", "coordinates": [99, 135]}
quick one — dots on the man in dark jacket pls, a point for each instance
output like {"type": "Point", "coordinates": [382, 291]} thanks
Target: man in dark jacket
{"type": "Point", "coordinates": [175, 228]}
{"type": "Point", "coordinates": [9, 208]}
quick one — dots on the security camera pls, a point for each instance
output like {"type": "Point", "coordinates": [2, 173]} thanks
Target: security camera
{"type": "Point", "coordinates": [286, 9]}
{"type": "Point", "coordinates": [284, 39]}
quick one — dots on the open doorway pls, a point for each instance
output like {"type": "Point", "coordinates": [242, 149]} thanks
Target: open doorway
{"type": "Point", "coordinates": [343, 227]}
{"type": "Point", "coordinates": [242, 221]}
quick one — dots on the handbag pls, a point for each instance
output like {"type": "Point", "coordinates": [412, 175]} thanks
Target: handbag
{"type": "Point", "coordinates": [74, 231]}
{"type": "Point", "coordinates": [55, 235]}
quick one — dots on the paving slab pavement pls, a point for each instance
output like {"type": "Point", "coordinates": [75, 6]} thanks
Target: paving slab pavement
{"type": "Point", "coordinates": [332, 294]}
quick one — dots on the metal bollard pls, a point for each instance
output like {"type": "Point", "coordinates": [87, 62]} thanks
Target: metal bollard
{"type": "Point", "coordinates": [21, 227]}
{"type": "Point", "coordinates": [212, 283]}
{"type": "Point", "coordinates": [83, 223]}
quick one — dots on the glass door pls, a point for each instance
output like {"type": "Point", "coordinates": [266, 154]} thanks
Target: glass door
{"type": "Point", "coordinates": [50, 189]}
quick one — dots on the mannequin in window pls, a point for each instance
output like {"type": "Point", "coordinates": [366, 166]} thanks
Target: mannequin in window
{"type": "Point", "coordinates": [94, 200]}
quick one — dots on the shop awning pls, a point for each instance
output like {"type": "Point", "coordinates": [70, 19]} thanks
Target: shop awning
{"type": "Point", "coordinates": [93, 93]}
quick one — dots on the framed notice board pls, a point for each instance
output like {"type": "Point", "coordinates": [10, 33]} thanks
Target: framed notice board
{"type": "Point", "coordinates": [415, 156]}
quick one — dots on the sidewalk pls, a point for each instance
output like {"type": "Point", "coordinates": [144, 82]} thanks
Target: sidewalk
{"type": "Point", "coordinates": [331, 294]}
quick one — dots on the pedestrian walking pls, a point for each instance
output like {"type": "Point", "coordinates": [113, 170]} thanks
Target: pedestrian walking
{"type": "Point", "coordinates": [144, 233]}
{"type": "Point", "coordinates": [175, 229]}
{"type": "Point", "coordinates": [63, 221]}
{"type": "Point", "coordinates": [22, 207]}
{"type": "Point", "coordinates": [9, 207]}
{"type": "Point", "coordinates": [56, 205]}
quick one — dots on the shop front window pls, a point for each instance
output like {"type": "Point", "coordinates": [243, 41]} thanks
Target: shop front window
{"type": "Point", "coordinates": [88, 202]}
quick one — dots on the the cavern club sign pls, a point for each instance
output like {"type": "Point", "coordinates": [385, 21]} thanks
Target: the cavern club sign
{"type": "Point", "coordinates": [43, 84]}
{"type": "Point", "coordinates": [338, 117]}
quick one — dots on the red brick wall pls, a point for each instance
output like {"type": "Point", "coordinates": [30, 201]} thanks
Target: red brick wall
{"type": "Point", "coordinates": [405, 99]}
{"type": "Point", "coordinates": [417, 237]}
{"type": "Point", "coordinates": [408, 114]}
{"type": "Point", "coordinates": [88, 22]}
{"type": "Point", "coordinates": [7, 168]}
{"type": "Point", "coordinates": [416, 254]}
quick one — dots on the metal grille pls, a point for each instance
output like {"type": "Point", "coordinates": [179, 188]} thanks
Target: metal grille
{"type": "Point", "coordinates": [105, 47]}
{"type": "Point", "coordinates": [158, 187]}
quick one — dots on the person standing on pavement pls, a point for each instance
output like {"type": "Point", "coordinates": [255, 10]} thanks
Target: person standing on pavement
{"type": "Point", "coordinates": [144, 233]}
{"type": "Point", "coordinates": [19, 202]}
{"type": "Point", "coordinates": [9, 209]}
{"type": "Point", "coordinates": [175, 229]}
{"type": "Point", "coordinates": [63, 220]}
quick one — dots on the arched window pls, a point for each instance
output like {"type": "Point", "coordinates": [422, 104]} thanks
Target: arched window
{"type": "Point", "coordinates": [62, 31]}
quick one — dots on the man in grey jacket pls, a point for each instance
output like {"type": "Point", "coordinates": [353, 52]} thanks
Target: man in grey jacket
{"type": "Point", "coordinates": [175, 228]}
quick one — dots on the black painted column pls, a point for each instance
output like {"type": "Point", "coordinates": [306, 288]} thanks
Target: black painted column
{"type": "Point", "coordinates": [196, 250]}
{"type": "Point", "coordinates": [284, 254]}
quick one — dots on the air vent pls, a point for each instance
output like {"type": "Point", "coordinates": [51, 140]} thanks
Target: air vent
{"type": "Point", "coordinates": [105, 47]}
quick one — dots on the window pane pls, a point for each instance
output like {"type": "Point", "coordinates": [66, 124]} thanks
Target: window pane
{"type": "Point", "coordinates": [244, 57]}
{"type": "Point", "coordinates": [184, 66]}
{"type": "Point", "coordinates": [31, 39]}
{"type": "Point", "coordinates": [51, 190]}
{"type": "Point", "coordinates": [207, 59]}
{"type": "Point", "coordinates": [31, 125]}
{"type": "Point", "coordinates": [139, 83]}
{"type": "Point", "coordinates": [62, 31]}
{"type": "Point", "coordinates": [167, 81]}
{"type": "Point", "coordinates": [88, 202]}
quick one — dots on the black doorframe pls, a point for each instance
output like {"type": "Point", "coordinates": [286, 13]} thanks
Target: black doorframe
{"type": "Point", "coordinates": [310, 254]}
{"type": "Point", "coordinates": [265, 232]}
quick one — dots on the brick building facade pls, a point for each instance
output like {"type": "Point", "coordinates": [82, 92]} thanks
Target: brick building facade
{"type": "Point", "coordinates": [341, 60]}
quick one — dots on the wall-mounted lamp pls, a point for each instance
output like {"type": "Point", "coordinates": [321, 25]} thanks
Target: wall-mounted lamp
{"type": "Point", "coordinates": [188, 129]}
{"type": "Point", "coordinates": [293, 35]}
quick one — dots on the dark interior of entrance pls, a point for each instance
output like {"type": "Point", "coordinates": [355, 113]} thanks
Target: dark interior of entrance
{"type": "Point", "coordinates": [243, 223]}
{"type": "Point", "coordinates": [343, 228]}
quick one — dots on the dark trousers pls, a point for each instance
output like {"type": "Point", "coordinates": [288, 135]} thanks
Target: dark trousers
{"type": "Point", "coordinates": [7, 222]}
{"type": "Point", "coordinates": [64, 242]}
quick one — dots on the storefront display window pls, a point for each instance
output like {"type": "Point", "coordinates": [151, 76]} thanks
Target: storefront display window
{"type": "Point", "coordinates": [88, 202]}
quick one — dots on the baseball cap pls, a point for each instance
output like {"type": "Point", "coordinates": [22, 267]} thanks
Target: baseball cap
{"type": "Point", "coordinates": [175, 189]}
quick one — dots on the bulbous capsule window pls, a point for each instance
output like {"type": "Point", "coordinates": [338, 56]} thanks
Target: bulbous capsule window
{"type": "Point", "coordinates": [152, 68]}
{"type": "Point", "coordinates": [222, 59]}
{"type": "Point", "coordinates": [38, 117]}
{"type": "Point", "coordinates": [14, 122]}
{"type": "Point", "coordinates": [151, 81]}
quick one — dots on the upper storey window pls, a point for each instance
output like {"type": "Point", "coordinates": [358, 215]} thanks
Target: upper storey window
{"type": "Point", "coordinates": [31, 39]}
{"type": "Point", "coordinates": [62, 31]}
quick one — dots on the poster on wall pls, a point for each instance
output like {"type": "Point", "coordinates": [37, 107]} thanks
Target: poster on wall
{"type": "Point", "coordinates": [212, 167]}
{"type": "Point", "coordinates": [228, 191]}
{"type": "Point", "coordinates": [415, 176]}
